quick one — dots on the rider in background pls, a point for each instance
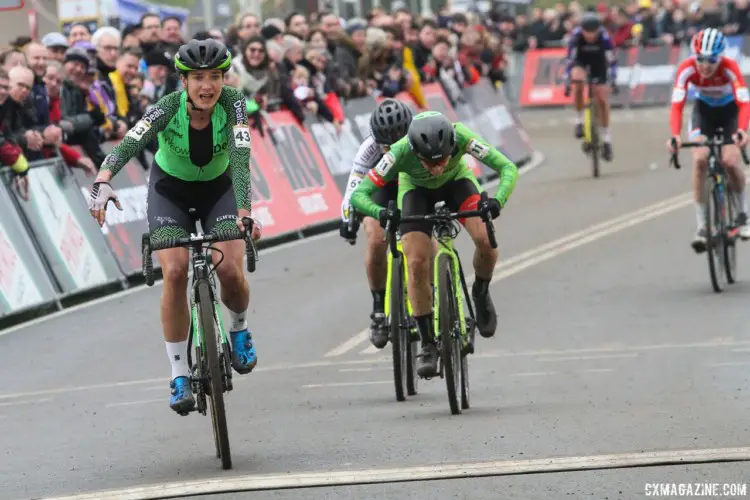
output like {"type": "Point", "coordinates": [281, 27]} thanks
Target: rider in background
{"type": "Point", "coordinates": [590, 48]}
{"type": "Point", "coordinates": [722, 101]}
{"type": "Point", "coordinates": [388, 123]}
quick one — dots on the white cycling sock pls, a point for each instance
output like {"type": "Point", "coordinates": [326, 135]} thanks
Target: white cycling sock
{"type": "Point", "coordinates": [177, 352]}
{"type": "Point", "coordinates": [579, 117]}
{"type": "Point", "coordinates": [239, 322]}
{"type": "Point", "coordinates": [742, 200]}
{"type": "Point", "coordinates": [606, 137]}
{"type": "Point", "coordinates": [700, 214]}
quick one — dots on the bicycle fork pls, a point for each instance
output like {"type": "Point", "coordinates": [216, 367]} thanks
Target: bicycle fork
{"type": "Point", "coordinates": [411, 324]}
{"type": "Point", "coordinates": [456, 277]}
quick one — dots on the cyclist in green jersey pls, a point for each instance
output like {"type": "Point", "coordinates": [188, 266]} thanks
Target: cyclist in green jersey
{"type": "Point", "coordinates": [201, 172]}
{"type": "Point", "coordinates": [430, 166]}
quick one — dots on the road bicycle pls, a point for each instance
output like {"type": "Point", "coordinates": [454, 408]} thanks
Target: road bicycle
{"type": "Point", "coordinates": [211, 369]}
{"type": "Point", "coordinates": [454, 331]}
{"type": "Point", "coordinates": [591, 144]}
{"type": "Point", "coordinates": [403, 333]}
{"type": "Point", "coordinates": [722, 232]}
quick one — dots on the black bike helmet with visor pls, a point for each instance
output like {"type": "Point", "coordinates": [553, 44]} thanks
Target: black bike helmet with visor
{"type": "Point", "coordinates": [590, 22]}
{"type": "Point", "coordinates": [390, 121]}
{"type": "Point", "coordinates": [432, 137]}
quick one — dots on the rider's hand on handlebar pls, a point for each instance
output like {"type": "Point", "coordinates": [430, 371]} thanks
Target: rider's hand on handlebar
{"type": "Point", "coordinates": [674, 143]}
{"type": "Point", "coordinates": [740, 138]}
{"type": "Point", "coordinates": [257, 226]}
{"type": "Point", "coordinates": [492, 207]}
{"type": "Point", "coordinates": [384, 217]}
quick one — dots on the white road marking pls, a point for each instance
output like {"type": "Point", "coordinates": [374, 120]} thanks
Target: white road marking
{"type": "Point", "coordinates": [587, 358]}
{"type": "Point", "coordinates": [347, 384]}
{"type": "Point", "coordinates": [370, 349]}
{"type": "Point", "coordinates": [348, 345]}
{"type": "Point", "coordinates": [140, 288]}
{"type": "Point", "coordinates": [131, 403]}
{"type": "Point", "coordinates": [532, 374]}
{"type": "Point", "coordinates": [520, 262]}
{"type": "Point", "coordinates": [742, 349]}
{"type": "Point", "coordinates": [718, 342]}
{"type": "Point", "coordinates": [26, 402]}
{"type": "Point", "coordinates": [537, 159]}
{"type": "Point", "coordinates": [259, 482]}
{"type": "Point", "coordinates": [729, 363]}
{"type": "Point", "coordinates": [598, 370]}
{"type": "Point", "coordinates": [371, 369]}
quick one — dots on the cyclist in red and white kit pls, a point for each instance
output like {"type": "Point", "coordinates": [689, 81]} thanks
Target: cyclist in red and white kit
{"type": "Point", "coordinates": [722, 101]}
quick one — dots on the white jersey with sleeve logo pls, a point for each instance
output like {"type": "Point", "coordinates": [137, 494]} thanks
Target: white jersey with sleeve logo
{"type": "Point", "coordinates": [368, 155]}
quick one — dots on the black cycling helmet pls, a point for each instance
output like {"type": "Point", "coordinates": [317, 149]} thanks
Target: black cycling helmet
{"type": "Point", "coordinates": [432, 136]}
{"type": "Point", "coordinates": [590, 22]}
{"type": "Point", "coordinates": [202, 54]}
{"type": "Point", "coordinates": [390, 121]}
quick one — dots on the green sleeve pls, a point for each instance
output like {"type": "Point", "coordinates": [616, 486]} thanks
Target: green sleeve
{"type": "Point", "coordinates": [381, 174]}
{"type": "Point", "coordinates": [361, 199]}
{"type": "Point", "coordinates": [234, 104]}
{"type": "Point", "coordinates": [477, 147]}
{"type": "Point", "coordinates": [143, 133]}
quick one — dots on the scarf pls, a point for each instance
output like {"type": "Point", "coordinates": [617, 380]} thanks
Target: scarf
{"type": "Point", "coordinates": [121, 94]}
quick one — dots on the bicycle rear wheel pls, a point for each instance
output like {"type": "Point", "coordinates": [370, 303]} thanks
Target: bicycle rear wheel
{"type": "Point", "coordinates": [216, 398]}
{"type": "Point", "coordinates": [595, 145]}
{"type": "Point", "coordinates": [715, 236]}
{"type": "Point", "coordinates": [450, 342]}
{"type": "Point", "coordinates": [730, 240]}
{"type": "Point", "coordinates": [399, 342]}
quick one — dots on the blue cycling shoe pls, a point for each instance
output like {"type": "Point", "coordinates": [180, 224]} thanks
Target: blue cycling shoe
{"type": "Point", "coordinates": [244, 357]}
{"type": "Point", "coordinates": [182, 400]}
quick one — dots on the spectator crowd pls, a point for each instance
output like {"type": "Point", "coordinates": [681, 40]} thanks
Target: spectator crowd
{"type": "Point", "coordinates": [87, 88]}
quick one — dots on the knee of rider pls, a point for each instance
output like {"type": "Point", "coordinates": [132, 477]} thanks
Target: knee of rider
{"type": "Point", "coordinates": [228, 273]}
{"type": "Point", "coordinates": [176, 271]}
{"type": "Point", "coordinates": [419, 262]}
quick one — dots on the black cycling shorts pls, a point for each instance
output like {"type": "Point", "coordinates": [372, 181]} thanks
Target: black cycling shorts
{"type": "Point", "coordinates": [596, 67]}
{"type": "Point", "coordinates": [458, 195]}
{"type": "Point", "coordinates": [706, 119]}
{"type": "Point", "coordinates": [170, 201]}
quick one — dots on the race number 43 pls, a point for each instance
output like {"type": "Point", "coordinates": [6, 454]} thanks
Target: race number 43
{"type": "Point", "coordinates": [138, 130]}
{"type": "Point", "coordinates": [242, 136]}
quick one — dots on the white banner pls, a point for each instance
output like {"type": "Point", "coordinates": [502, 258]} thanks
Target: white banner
{"type": "Point", "coordinates": [17, 287]}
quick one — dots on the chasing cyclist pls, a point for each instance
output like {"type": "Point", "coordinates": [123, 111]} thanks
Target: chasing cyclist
{"type": "Point", "coordinates": [388, 123]}
{"type": "Point", "coordinates": [722, 101]}
{"type": "Point", "coordinates": [430, 166]}
{"type": "Point", "coordinates": [590, 49]}
{"type": "Point", "coordinates": [203, 162]}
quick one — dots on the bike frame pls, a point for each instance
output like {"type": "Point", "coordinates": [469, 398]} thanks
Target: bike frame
{"type": "Point", "coordinates": [445, 247]}
{"type": "Point", "coordinates": [389, 279]}
{"type": "Point", "coordinates": [202, 274]}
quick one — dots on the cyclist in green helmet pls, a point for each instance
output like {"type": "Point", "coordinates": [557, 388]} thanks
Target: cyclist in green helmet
{"type": "Point", "coordinates": [201, 172]}
{"type": "Point", "coordinates": [430, 167]}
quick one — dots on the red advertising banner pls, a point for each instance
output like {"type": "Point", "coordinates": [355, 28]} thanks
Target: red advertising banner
{"type": "Point", "coordinates": [543, 78]}
{"type": "Point", "coordinates": [296, 172]}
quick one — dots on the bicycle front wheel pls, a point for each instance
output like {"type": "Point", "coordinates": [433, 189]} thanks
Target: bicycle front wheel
{"type": "Point", "coordinates": [715, 235]}
{"type": "Point", "coordinates": [216, 398]}
{"type": "Point", "coordinates": [450, 341]}
{"type": "Point", "coordinates": [396, 321]}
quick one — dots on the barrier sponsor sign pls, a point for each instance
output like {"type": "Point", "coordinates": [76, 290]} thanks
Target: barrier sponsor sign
{"type": "Point", "coordinates": [340, 149]}
{"type": "Point", "coordinates": [24, 282]}
{"type": "Point", "coordinates": [67, 234]}
{"type": "Point", "coordinates": [123, 229]}
{"type": "Point", "coordinates": [653, 75]}
{"type": "Point", "coordinates": [315, 193]}
{"type": "Point", "coordinates": [543, 73]}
